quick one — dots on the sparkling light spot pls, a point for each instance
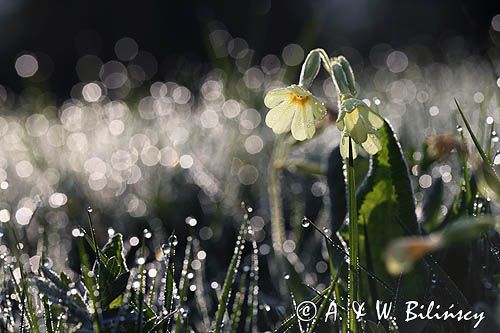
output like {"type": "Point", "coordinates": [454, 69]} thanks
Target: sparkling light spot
{"type": "Point", "coordinates": [23, 215]}
{"type": "Point", "coordinates": [293, 54]}
{"type": "Point", "coordinates": [433, 110]}
{"type": "Point", "coordinates": [495, 22]}
{"type": "Point", "coordinates": [425, 181]}
{"type": "Point", "coordinates": [397, 61]}
{"type": "Point", "coordinates": [91, 92]}
{"type": "Point", "coordinates": [24, 169]}
{"type": "Point", "coordinates": [4, 215]}
{"type": "Point", "coordinates": [26, 65]}
{"type": "Point", "coordinates": [186, 161]}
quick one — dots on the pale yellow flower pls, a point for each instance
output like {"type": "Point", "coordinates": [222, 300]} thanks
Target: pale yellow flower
{"type": "Point", "coordinates": [293, 108]}
{"type": "Point", "coordinates": [360, 123]}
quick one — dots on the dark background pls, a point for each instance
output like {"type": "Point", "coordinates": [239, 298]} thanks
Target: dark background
{"type": "Point", "coordinates": [67, 30]}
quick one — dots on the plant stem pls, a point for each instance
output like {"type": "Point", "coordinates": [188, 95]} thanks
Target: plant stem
{"type": "Point", "coordinates": [353, 239]}
{"type": "Point", "coordinates": [274, 189]}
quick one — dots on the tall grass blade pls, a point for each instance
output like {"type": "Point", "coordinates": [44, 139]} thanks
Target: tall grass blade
{"type": "Point", "coordinates": [168, 254]}
{"type": "Point", "coordinates": [253, 293]}
{"type": "Point", "coordinates": [183, 284]}
{"type": "Point", "coordinates": [326, 302]}
{"type": "Point", "coordinates": [228, 281]}
{"type": "Point", "coordinates": [479, 148]}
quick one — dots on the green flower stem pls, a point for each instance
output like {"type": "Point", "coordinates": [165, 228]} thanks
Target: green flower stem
{"type": "Point", "coordinates": [276, 163]}
{"type": "Point", "coordinates": [353, 239]}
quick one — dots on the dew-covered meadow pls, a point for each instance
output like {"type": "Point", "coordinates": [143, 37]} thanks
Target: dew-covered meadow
{"type": "Point", "coordinates": [135, 204]}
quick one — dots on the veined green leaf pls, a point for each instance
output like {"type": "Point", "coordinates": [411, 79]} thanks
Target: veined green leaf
{"type": "Point", "coordinates": [386, 211]}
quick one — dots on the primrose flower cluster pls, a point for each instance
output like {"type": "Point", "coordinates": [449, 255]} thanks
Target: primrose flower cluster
{"type": "Point", "coordinates": [295, 109]}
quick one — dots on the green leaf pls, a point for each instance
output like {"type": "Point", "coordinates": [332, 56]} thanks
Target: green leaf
{"type": "Point", "coordinates": [114, 249]}
{"type": "Point", "coordinates": [116, 303]}
{"type": "Point", "coordinates": [386, 211]}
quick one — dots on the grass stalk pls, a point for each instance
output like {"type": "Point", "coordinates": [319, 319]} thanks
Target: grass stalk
{"type": "Point", "coordinates": [232, 270]}
{"type": "Point", "coordinates": [479, 148]}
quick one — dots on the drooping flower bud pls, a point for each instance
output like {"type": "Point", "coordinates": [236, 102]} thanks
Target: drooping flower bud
{"type": "Point", "coordinates": [346, 66]}
{"type": "Point", "coordinates": [310, 69]}
{"type": "Point", "coordinates": [341, 80]}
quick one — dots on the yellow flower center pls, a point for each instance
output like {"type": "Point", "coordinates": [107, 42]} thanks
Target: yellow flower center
{"type": "Point", "coordinates": [298, 100]}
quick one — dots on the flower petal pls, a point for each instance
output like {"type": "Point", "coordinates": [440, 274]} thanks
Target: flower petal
{"type": "Point", "coordinates": [275, 97]}
{"type": "Point", "coordinates": [340, 125]}
{"type": "Point", "coordinates": [355, 127]}
{"type": "Point", "coordinates": [372, 144]}
{"type": "Point", "coordinates": [375, 120]}
{"type": "Point", "coordinates": [280, 118]}
{"type": "Point", "coordinates": [344, 147]}
{"type": "Point", "coordinates": [350, 120]}
{"type": "Point", "coordinates": [303, 123]}
{"type": "Point", "coordinates": [318, 109]}
{"type": "Point", "coordinates": [340, 120]}
{"type": "Point", "coordinates": [359, 132]}
{"type": "Point", "coordinates": [298, 90]}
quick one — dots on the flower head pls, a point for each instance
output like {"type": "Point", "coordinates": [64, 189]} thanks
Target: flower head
{"type": "Point", "coordinates": [293, 108]}
{"type": "Point", "coordinates": [360, 123]}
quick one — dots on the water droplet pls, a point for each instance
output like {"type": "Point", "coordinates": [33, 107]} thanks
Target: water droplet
{"type": "Point", "coordinates": [172, 240]}
{"type": "Point", "coordinates": [494, 136]}
{"type": "Point", "coordinates": [305, 222]}
{"type": "Point", "coordinates": [286, 276]}
{"type": "Point", "coordinates": [90, 209]}
{"type": "Point", "coordinates": [459, 129]}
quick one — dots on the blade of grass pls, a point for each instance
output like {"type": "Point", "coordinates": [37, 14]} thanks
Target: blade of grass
{"type": "Point", "coordinates": [48, 315]}
{"type": "Point", "coordinates": [490, 140]}
{"type": "Point", "coordinates": [238, 305]}
{"type": "Point", "coordinates": [200, 299]}
{"type": "Point", "coordinates": [344, 252]}
{"type": "Point", "coordinates": [140, 298]}
{"type": "Point", "coordinates": [326, 301]}
{"type": "Point", "coordinates": [88, 279]}
{"type": "Point", "coordinates": [228, 281]}
{"type": "Point", "coordinates": [22, 290]}
{"type": "Point", "coordinates": [294, 306]}
{"type": "Point", "coordinates": [251, 323]}
{"type": "Point", "coordinates": [468, 192]}
{"type": "Point", "coordinates": [183, 283]}
{"type": "Point", "coordinates": [485, 158]}
{"type": "Point", "coordinates": [292, 320]}
{"type": "Point", "coordinates": [169, 253]}
{"type": "Point", "coordinates": [162, 321]}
